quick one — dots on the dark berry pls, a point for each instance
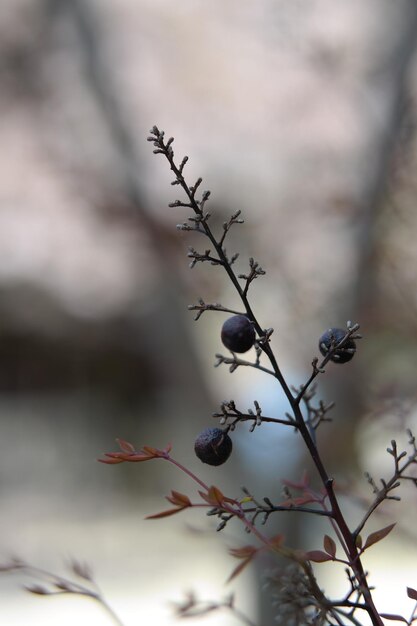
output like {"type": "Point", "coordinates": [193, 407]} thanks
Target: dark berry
{"type": "Point", "coordinates": [238, 333]}
{"type": "Point", "coordinates": [213, 446]}
{"type": "Point", "coordinates": [330, 339]}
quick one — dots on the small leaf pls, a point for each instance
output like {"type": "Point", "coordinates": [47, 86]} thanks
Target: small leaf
{"type": "Point", "coordinates": [329, 546]}
{"type": "Point", "coordinates": [140, 456]}
{"type": "Point", "coordinates": [125, 445]}
{"type": "Point", "coordinates": [246, 553]}
{"type": "Point", "coordinates": [214, 496]}
{"type": "Point", "coordinates": [82, 570]}
{"type": "Point", "coordinates": [395, 618]}
{"type": "Point", "coordinates": [62, 585]}
{"type": "Point", "coordinates": [317, 556]}
{"type": "Point", "coordinates": [239, 569]}
{"type": "Point", "coordinates": [378, 535]}
{"type": "Point", "coordinates": [412, 593]}
{"type": "Point", "coordinates": [38, 590]}
{"type": "Point", "coordinates": [243, 553]}
{"type": "Point", "coordinates": [150, 451]}
{"type": "Point", "coordinates": [167, 449]}
{"type": "Point", "coordinates": [179, 499]}
{"type": "Point", "coordinates": [305, 479]}
{"type": "Point", "coordinates": [166, 513]}
{"type": "Point", "coordinates": [116, 455]}
{"type": "Point", "coordinates": [299, 501]}
{"type": "Point", "coordinates": [276, 541]}
{"type": "Point", "coordinates": [110, 461]}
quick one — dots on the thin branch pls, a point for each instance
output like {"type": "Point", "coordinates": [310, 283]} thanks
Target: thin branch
{"type": "Point", "coordinates": [165, 148]}
{"type": "Point", "coordinates": [56, 584]}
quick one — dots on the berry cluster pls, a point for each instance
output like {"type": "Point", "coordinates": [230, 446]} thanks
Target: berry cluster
{"type": "Point", "coordinates": [213, 445]}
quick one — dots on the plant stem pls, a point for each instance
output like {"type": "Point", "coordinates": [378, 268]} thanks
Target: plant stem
{"type": "Point", "coordinates": [186, 471]}
{"type": "Point", "coordinates": [294, 401]}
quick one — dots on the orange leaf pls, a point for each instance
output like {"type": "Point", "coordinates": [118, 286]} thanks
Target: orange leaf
{"type": "Point", "coordinates": [378, 535]}
{"type": "Point", "coordinates": [317, 556]}
{"type": "Point", "coordinates": [329, 546]}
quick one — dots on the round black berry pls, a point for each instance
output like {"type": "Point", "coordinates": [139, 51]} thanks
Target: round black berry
{"type": "Point", "coordinates": [330, 339]}
{"type": "Point", "coordinates": [238, 333]}
{"type": "Point", "coordinates": [213, 446]}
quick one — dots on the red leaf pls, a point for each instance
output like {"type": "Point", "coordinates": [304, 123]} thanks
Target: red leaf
{"type": "Point", "coordinates": [395, 618]}
{"type": "Point", "coordinates": [214, 496]}
{"type": "Point", "coordinates": [140, 456]}
{"type": "Point", "coordinates": [125, 445]}
{"type": "Point", "coordinates": [378, 535]}
{"type": "Point", "coordinates": [412, 593]}
{"type": "Point", "coordinates": [299, 500]}
{"type": "Point", "coordinates": [166, 513]}
{"type": "Point", "coordinates": [295, 485]}
{"type": "Point", "coordinates": [329, 546]}
{"type": "Point", "coordinates": [239, 569]}
{"type": "Point", "coordinates": [119, 457]}
{"type": "Point", "coordinates": [110, 461]}
{"type": "Point", "coordinates": [179, 499]}
{"type": "Point", "coordinates": [116, 455]}
{"type": "Point", "coordinates": [129, 453]}
{"type": "Point", "coordinates": [317, 556]}
{"type": "Point", "coordinates": [150, 451]}
{"type": "Point", "coordinates": [244, 552]}
{"type": "Point", "coordinates": [305, 479]}
{"type": "Point", "coordinates": [276, 541]}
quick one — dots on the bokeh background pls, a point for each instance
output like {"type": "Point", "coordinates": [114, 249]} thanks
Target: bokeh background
{"type": "Point", "coordinates": [301, 114]}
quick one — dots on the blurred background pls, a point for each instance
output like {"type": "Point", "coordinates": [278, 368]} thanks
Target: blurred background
{"type": "Point", "coordinates": [302, 115]}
